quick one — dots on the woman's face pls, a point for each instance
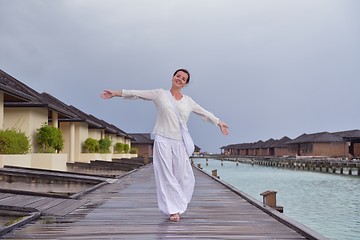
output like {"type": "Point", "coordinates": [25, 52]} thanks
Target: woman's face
{"type": "Point", "coordinates": [180, 79]}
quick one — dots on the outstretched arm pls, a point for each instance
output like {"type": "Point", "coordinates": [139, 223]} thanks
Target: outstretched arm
{"type": "Point", "coordinates": [107, 94]}
{"type": "Point", "coordinates": [224, 128]}
{"type": "Point", "coordinates": [208, 116]}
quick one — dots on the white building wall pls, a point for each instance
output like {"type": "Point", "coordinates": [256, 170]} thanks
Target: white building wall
{"type": "Point", "coordinates": [26, 120]}
{"type": "Point", "coordinates": [1, 110]}
{"type": "Point", "coordinates": [74, 134]}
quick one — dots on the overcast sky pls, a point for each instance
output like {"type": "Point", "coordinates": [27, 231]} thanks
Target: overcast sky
{"type": "Point", "coordinates": [268, 68]}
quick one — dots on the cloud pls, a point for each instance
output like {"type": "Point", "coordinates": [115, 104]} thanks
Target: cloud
{"type": "Point", "coordinates": [268, 68]}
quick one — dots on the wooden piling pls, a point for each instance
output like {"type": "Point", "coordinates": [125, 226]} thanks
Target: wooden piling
{"type": "Point", "coordinates": [269, 199]}
{"type": "Point", "coordinates": [146, 159]}
{"type": "Point", "coordinates": [214, 173]}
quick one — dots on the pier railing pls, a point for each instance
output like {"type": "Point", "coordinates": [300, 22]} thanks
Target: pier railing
{"type": "Point", "coordinates": [348, 167]}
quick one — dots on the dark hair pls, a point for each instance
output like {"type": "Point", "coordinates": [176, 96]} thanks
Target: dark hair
{"type": "Point", "coordinates": [185, 71]}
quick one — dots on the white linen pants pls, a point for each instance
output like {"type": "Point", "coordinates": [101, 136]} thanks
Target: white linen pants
{"type": "Point", "coordinates": [174, 177]}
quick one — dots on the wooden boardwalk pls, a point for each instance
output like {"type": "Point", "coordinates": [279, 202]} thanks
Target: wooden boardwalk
{"type": "Point", "coordinates": [127, 209]}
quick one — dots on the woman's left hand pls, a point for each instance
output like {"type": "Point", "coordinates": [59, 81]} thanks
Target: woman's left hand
{"type": "Point", "coordinates": [224, 128]}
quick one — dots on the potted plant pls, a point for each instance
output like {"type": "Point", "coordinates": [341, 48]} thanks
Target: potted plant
{"type": "Point", "coordinates": [13, 142]}
{"type": "Point", "coordinates": [49, 139]}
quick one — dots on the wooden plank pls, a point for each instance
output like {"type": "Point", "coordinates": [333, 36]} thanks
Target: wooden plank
{"type": "Point", "coordinates": [26, 200]}
{"type": "Point", "coordinates": [4, 196]}
{"type": "Point", "coordinates": [33, 201]}
{"type": "Point", "coordinates": [71, 207]}
{"type": "Point", "coordinates": [14, 200]}
{"type": "Point", "coordinates": [62, 176]}
{"type": "Point", "coordinates": [64, 207]}
{"type": "Point", "coordinates": [51, 203]}
{"type": "Point", "coordinates": [41, 201]}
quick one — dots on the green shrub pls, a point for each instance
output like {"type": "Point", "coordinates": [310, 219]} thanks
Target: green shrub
{"type": "Point", "coordinates": [119, 147]}
{"type": "Point", "coordinates": [104, 145]}
{"type": "Point", "coordinates": [92, 145]}
{"type": "Point", "coordinates": [13, 142]}
{"type": "Point", "coordinates": [126, 148]}
{"type": "Point", "coordinates": [134, 150]}
{"type": "Point", "coordinates": [49, 139]}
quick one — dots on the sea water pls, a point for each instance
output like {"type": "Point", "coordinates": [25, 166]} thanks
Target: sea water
{"type": "Point", "coordinates": [327, 203]}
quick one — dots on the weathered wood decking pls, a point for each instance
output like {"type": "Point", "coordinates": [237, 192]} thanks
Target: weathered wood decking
{"type": "Point", "coordinates": [46, 205]}
{"type": "Point", "coordinates": [127, 209]}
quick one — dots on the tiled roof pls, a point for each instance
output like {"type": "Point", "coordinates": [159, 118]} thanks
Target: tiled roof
{"type": "Point", "coordinates": [96, 123]}
{"type": "Point", "coordinates": [244, 145]}
{"type": "Point", "coordinates": [230, 146]}
{"type": "Point", "coordinates": [197, 148]}
{"type": "Point", "coordinates": [317, 137]}
{"type": "Point", "coordinates": [349, 134]}
{"type": "Point", "coordinates": [14, 87]}
{"type": "Point", "coordinates": [58, 106]}
{"type": "Point", "coordinates": [109, 128]}
{"type": "Point", "coordinates": [258, 144]}
{"type": "Point", "coordinates": [281, 142]}
{"type": "Point", "coordinates": [121, 132]}
{"type": "Point", "coordinates": [268, 143]}
{"type": "Point", "coordinates": [85, 118]}
{"type": "Point", "coordinates": [24, 96]}
{"type": "Point", "coordinates": [143, 138]}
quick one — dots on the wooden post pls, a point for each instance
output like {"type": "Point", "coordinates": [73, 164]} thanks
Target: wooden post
{"type": "Point", "coordinates": [222, 162]}
{"type": "Point", "coordinates": [207, 162]}
{"type": "Point", "coordinates": [214, 173]}
{"type": "Point", "coordinates": [146, 159]}
{"type": "Point", "coordinates": [269, 199]}
{"type": "Point", "coordinates": [199, 165]}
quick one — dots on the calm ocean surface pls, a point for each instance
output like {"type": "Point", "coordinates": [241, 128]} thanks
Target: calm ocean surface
{"type": "Point", "coordinates": [326, 203]}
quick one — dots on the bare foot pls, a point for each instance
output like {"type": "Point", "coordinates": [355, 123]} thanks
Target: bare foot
{"type": "Point", "coordinates": [175, 217]}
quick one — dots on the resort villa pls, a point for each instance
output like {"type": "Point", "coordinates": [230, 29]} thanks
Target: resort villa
{"type": "Point", "coordinates": [25, 110]}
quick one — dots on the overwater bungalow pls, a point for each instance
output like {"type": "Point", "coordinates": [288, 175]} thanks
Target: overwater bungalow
{"type": "Point", "coordinates": [343, 144]}
{"type": "Point", "coordinates": [318, 144]}
{"type": "Point", "coordinates": [280, 147]}
{"type": "Point", "coordinates": [265, 147]}
{"type": "Point", "coordinates": [352, 139]}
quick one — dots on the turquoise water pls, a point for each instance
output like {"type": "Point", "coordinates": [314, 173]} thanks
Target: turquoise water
{"type": "Point", "coordinates": [326, 203]}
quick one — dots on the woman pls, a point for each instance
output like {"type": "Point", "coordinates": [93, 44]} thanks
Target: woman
{"type": "Point", "coordinates": [174, 177]}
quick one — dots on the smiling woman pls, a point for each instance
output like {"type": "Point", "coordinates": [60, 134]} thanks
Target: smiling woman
{"type": "Point", "coordinates": [173, 173]}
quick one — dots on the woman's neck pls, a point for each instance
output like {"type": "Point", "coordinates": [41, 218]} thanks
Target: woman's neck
{"type": "Point", "coordinates": [176, 93]}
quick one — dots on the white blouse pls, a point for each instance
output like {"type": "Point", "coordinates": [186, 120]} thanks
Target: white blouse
{"type": "Point", "coordinates": [167, 124]}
